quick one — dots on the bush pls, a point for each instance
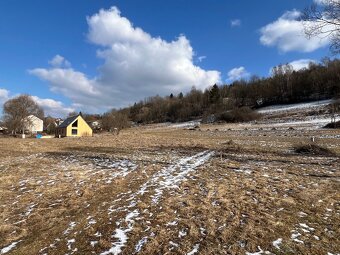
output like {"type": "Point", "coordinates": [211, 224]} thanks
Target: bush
{"type": "Point", "coordinates": [242, 114]}
{"type": "Point", "coordinates": [333, 125]}
{"type": "Point", "coordinates": [313, 149]}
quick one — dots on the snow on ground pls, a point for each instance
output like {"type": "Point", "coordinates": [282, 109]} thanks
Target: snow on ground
{"type": "Point", "coordinates": [277, 243]}
{"type": "Point", "coordinates": [260, 252]}
{"type": "Point", "coordinates": [194, 250]}
{"type": "Point", "coordinates": [121, 234]}
{"type": "Point", "coordinates": [9, 247]}
{"type": "Point", "coordinates": [168, 178]}
{"type": "Point", "coordinates": [319, 122]}
{"type": "Point", "coordinates": [188, 124]}
{"type": "Point", "coordinates": [291, 107]}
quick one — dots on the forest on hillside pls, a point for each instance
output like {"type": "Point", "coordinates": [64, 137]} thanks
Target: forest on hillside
{"type": "Point", "coordinates": [224, 102]}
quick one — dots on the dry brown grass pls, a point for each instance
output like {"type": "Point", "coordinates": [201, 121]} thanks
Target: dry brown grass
{"type": "Point", "coordinates": [255, 190]}
{"type": "Point", "coordinates": [313, 149]}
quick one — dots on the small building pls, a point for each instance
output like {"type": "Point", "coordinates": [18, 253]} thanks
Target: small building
{"type": "Point", "coordinates": [95, 125]}
{"type": "Point", "coordinates": [74, 126]}
{"type": "Point", "coordinates": [33, 124]}
{"type": "Point", "coordinates": [3, 130]}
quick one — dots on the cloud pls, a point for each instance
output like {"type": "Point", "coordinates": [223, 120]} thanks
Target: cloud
{"type": "Point", "coordinates": [52, 107]}
{"type": "Point", "coordinates": [237, 74]}
{"type": "Point", "coordinates": [235, 23]}
{"type": "Point", "coordinates": [59, 61]}
{"type": "Point", "coordinates": [298, 65]}
{"type": "Point", "coordinates": [4, 96]}
{"type": "Point", "coordinates": [201, 58]}
{"type": "Point", "coordinates": [135, 65]}
{"type": "Point", "coordinates": [321, 2]}
{"type": "Point", "coordinates": [301, 64]}
{"type": "Point", "coordinates": [287, 34]}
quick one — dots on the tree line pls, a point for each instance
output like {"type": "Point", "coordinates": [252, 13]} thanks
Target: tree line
{"type": "Point", "coordinates": [233, 102]}
{"type": "Point", "coordinates": [226, 102]}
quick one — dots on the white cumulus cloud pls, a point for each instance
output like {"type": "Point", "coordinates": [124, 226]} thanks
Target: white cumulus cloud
{"type": "Point", "coordinates": [298, 65]}
{"type": "Point", "coordinates": [237, 74]}
{"type": "Point", "coordinates": [287, 34]}
{"type": "Point", "coordinates": [301, 64]}
{"type": "Point", "coordinates": [135, 65]}
{"type": "Point", "coordinates": [59, 61]}
{"type": "Point", "coordinates": [52, 107]}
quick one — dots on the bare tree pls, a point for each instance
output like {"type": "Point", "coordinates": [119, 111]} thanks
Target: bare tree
{"type": "Point", "coordinates": [114, 121]}
{"type": "Point", "coordinates": [16, 111]}
{"type": "Point", "coordinates": [323, 20]}
{"type": "Point", "coordinates": [73, 113]}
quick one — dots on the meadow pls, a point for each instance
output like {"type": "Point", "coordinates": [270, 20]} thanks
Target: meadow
{"type": "Point", "coordinates": [159, 189]}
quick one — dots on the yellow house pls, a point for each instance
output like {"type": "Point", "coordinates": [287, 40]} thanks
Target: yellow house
{"type": "Point", "coordinates": [73, 127]}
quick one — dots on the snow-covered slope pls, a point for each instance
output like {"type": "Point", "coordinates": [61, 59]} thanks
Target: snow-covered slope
{"type": "Point", "coordinates": [292, 107]}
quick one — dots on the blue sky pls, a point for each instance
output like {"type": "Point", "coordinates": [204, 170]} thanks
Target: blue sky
{"type": "Point", "coordinates": [95, 55]}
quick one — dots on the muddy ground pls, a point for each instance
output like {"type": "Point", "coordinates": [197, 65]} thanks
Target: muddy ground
{"type": "Point", "coordinates": [223, 189]}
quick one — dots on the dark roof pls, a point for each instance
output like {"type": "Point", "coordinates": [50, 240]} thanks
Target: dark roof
{"type": "Point", "coordinates": [68, 121]}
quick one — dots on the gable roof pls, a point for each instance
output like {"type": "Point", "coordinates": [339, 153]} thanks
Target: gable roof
{"type": "Point", "coordinates": [68, 121]}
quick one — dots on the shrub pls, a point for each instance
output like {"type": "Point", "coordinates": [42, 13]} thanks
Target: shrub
{"type": "Point", "coordinates": [333, 125]}
{"type": "Point", "coordinates": [313, 149]}
{"type": "Point", "coordinates": [242, 114]}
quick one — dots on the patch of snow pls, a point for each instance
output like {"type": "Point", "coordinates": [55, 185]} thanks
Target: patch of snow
{"type": "Point", "coordinates": [182, 233]}
{"type": "Point", "coordinates": [93, 243]}
{"type": "Point", "coordinates": [140, 244]}
{"type": "Point", "coordinates": [98, 234]}
{"type": "Point", "coordinates": [291, 107]}
{"type": "Point", "coordinates": [172, 223]}
{"type": "Point", "coordinates": [69, 243]}
{"type": "Point", "coordinates": [70, 228]}
{"type": "Point", "coordinates": [173, 244]}
{"type": "Point", "coordinates": [302, 214]}
{"type": "Point", "coordinates": [9, 247]}
{"type": "Point", "coordinates": [167, 178]}
{"type": "Point", "coordinates": [295, 237]}
{"type": "Point", "coordinates": [317, 121]}
{"type": "Point", "coordinates": [306, 227]}
{"type": "Point", "coordinates": [256, 253]}
{"type": "Point", "coordinates": [277, 243]}
{"type": "Point", "coordinates": [121, 234]}
{"type": "Point", "coordinates": [188, 124]}
{"type": "Point", "coordinates": [194, 250]}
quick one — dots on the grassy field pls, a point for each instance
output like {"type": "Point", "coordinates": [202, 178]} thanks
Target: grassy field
{"type": "Point", "coordinates": [223, 189]}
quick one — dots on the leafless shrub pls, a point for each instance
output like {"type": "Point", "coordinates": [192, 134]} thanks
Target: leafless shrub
{"type": "Point", "coordinates": [313, 149]}
{"type": "Point", "coordinates": [333, 125]}
{"type": "Point", "coordinates": [242, 114]}
{"type": "Point", "coordinates": [115, 120]}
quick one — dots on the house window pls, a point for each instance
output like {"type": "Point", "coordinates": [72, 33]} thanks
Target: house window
{"type": "Point", "coordinates": [75, 124]}
{"type": "Point", "coordinates": [74, 131]}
